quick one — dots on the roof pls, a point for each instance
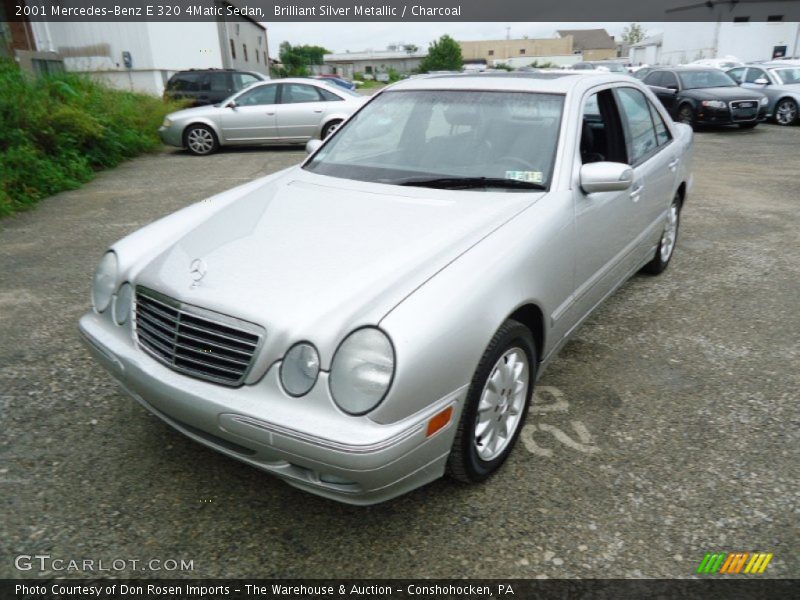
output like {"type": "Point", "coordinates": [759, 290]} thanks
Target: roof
{"type": "Point", "coordinates": [589, 39]}
{"type": "Point", "coordinates": [371, 55]}
{"type": "Point", "coordinates": [559, 82]}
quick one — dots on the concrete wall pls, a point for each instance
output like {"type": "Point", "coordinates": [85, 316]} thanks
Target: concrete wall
{"type": "Point", "coordinates": [647, 55]}
{"type": "Point", "coordinates": [599, 54]}
{"type": "Point", "coordinates": [561, 60]}
{"type": "Point", "coordinates": [491, 50]}
{"type": "Point", "coordinates": [685, 42]}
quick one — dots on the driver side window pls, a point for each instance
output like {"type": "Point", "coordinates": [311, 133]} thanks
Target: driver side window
{"type": "Point", "coordinates": [601, 132]}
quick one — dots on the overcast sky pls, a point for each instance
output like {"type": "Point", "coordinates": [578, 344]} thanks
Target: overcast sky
{"type": "Point", "coordinates": [340, 37]}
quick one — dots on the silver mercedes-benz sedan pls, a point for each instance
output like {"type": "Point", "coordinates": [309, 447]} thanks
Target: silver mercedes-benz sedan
{"type": "Point", "coordinates": [285, 111]}
{"type": "Point", "coordinates": [376, 317]}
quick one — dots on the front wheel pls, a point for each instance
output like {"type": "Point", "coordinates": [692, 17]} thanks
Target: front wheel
{"type": "Point", "coordinates": [330, 128]}
{"type": "Point", "coordinates": [786, 112]}
{"type": "Point", "coordinates": [686, 115]}
{"type": "Point", "coordinates": [200, 140]}
{"type": "Point", "coordinates": [669, 237]}
{"type": "Point", "coordinates": [496, 405]}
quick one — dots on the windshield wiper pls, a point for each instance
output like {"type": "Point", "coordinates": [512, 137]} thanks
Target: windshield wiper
{"type": "Point", "coordinates": [471, 182]}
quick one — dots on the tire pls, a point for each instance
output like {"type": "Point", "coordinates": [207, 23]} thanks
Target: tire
{"type": "Point", "coordinates": [747, 125]}
{"type": "Point", "coordinates": [686, 115]}
{"type": "Point", "coordinates": [786, 112]}
{"type": "Point", "coordinates": [669, 238]}
{"type": "Point", "coordinates": [330, 128]}
{"type": "Point", "coordinates": [475, 458]}
{"type": "Point", "coordinates": [200, 140]}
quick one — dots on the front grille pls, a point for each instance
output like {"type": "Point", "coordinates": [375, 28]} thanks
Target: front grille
{"type": "Point", "coordinates": [744, 110]}
{"type": "Point", "coordinates": [195, 341]}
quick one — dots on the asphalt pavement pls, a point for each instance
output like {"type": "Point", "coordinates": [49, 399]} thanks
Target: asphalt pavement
{"type": "Point", "coordinates": [667, 428]}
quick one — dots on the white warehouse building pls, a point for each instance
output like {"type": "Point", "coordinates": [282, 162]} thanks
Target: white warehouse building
{"type": "Point", "coordinates": [682, 43]}
{"type": "Point", "coordinates": [141, 56]}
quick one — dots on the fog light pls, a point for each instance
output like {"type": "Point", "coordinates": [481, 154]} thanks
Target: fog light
{"type": "Point", "coordinates": [335, 479]}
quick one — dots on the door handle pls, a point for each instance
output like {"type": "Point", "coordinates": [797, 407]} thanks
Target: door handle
{"type": "Point", "coordinates": [318, 111]}
{"type": "Point", "coordinates": [637, 192]}
{"type": "Point", "coordinates": [270, 114]}
{"type": "Point", "coordinates": [673, 164]}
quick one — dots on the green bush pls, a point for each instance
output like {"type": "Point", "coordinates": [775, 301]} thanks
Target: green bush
{"type": "Point", "coordinates": [56, 131]}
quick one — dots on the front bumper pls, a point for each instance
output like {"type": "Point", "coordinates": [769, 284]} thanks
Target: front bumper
{"type": "Point", "coordinates": [171, 136]}
{"type": "Point", "coordinates": [349, 459]}
{"type": "Point", "coordinates": [725, 116]}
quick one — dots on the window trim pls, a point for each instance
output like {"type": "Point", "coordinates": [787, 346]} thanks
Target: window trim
{"type": "Point", "coordinates": [628, 138]}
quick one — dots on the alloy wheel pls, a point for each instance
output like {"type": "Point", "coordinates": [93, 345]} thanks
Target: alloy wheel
{"type": "Point", "coordinates": [786, 112]}
{"type": "Point", "coordinates": [670, 233]}
{"type": "Point", "coordinates": [200, 140]}
{"type": "Point", "coordinates": [501, 404]}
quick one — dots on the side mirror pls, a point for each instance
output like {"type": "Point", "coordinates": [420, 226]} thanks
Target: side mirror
{"type": "Point", "coordinates": [673, 88]}
{"type": "Point", "coordinates": [312, 146]}
{"type": "Point", "coordinates": [605, 177]}
{"type": "Point", "coordinates": [231, 104]}
{"type": "Point", "coordinates": [761, 81]}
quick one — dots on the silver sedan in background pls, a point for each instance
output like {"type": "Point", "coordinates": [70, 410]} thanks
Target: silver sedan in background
{"type": "Point", "coordinates": [286, 111]}
{"type": "Point", "coordinates": [363, 323]}
{"type": "Point", "coordinates": [779, 81]}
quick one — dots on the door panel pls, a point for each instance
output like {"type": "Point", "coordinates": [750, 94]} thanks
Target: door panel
{"type": "Point", "coordinates": [253, 118]}
{"type": "Point", "coordinates": [300, 111]}
{"type": "Point", "coordinates": [606, 223]}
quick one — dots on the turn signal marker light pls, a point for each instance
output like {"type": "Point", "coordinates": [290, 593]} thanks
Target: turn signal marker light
{"type": "Point", "coordinates": [439, 420]}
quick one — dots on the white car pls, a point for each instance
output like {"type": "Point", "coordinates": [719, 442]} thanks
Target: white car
{"type": "Point", "coordinates": [718, 63]}
{"type": "Point", "coordinates": [285, 111]}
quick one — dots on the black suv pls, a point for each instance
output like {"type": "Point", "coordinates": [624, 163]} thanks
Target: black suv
{"type": "Point", "coordinates": [209, 86]}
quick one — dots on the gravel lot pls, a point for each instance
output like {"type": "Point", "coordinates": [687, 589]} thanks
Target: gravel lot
{"type": "Point", "coordinates": [668, 427]}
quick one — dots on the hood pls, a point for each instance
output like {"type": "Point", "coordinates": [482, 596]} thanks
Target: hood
{"type": "Point", "coordinates": [725, 93]}
{"type": "Point", "coordinates": [197, 111]}
{"type": "Point", "coordinates": [311, 257]}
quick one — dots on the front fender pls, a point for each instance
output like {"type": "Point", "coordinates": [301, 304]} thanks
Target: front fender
{"type": "Point", "coordinates": [442, 329]}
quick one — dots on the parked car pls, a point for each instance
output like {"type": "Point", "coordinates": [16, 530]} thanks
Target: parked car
{"type": "Point", "coordinates": [600, 65]}
{"type": "Point", "coordinates": [340, 81]}
{"type": "Point", "coordinates": [285, 111]}
{"type": "Point", "coordinates": [641, 72]}
{"type": "Point", "coordinates": [706, 96]}
{"type": "Point", "coordinates": [722, 64]}
{"type": "Point", "coordinates": [209, 86]}
{"type": "Point", "coordinates": [367, 321]}
{"type": "Point", "coordinates": [779, 81]}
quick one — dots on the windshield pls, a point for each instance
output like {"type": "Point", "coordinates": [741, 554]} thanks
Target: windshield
{"type": "Point", "coordinates": [705, 79]}
{"type": "Point", "coordinates": [788, 76]}
{"type": "Point", "coordinates": [413, 137]}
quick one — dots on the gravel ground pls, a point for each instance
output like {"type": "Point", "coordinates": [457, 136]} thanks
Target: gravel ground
{"type": "Point", "coordinates": [668, 427]}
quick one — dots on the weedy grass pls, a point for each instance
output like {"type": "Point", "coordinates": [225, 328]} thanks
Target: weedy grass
{"type": "Point", "coordinates": [56, 131]}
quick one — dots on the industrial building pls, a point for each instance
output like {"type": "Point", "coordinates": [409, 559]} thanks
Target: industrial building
{"type": "Point", "coordinates": [139, 56]}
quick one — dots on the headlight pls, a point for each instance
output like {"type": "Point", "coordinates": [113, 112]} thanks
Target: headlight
{"type": "Point", "coordinates": [764, 101]}
{"type": "Point", "coordinates": [362, 370]}
{"type": "Point", "coordinates": [714, 104]}
{"type": "Point", "coordinates": [299, 369]}
{"type": "Point", "coordinates": [122, 303]}
{"type": "Point", "coordinates": [105, 280]}
{"type": "Point", "coordinates": [166, 122]}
